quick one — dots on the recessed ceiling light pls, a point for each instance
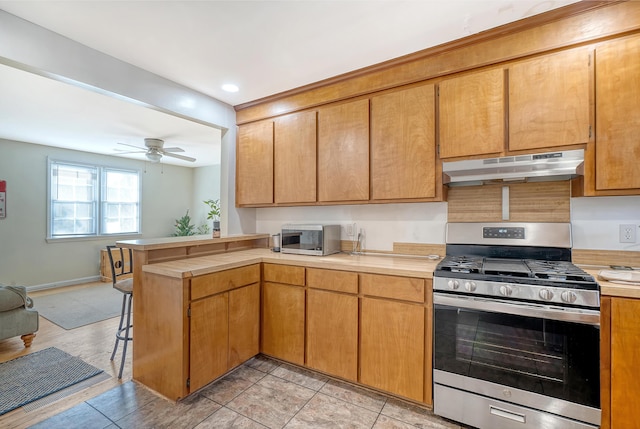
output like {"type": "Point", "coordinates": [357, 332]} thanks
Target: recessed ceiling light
{"type": "Point", "coordinates": [229, 87]}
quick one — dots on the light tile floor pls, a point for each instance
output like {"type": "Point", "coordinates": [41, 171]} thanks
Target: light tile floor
{"type": "Point", "coordinates": [262, 393]}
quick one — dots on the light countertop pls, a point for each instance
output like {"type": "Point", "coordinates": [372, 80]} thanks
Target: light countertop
{"type": "Point", "coordinates": [390, 265]}
{"type": "Point", "coordinates": [608, 288]}
{"type": "Point", "coordinates": [193, 240]}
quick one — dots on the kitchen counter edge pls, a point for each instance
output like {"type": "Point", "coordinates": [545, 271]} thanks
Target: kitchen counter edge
{"type": "Point", "coordinates": [192, 240]}
{"type": "Point", "coordinates": [385, 265]}
{"type": "Point", "coordinates": [612, 289]}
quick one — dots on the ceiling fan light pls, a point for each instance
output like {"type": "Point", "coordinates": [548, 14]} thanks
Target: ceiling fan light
{"type": "Point", "coordinates": [154, 157]}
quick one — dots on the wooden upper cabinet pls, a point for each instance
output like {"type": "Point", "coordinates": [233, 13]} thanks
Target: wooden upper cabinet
{"type": "Point", "coordinates": [254, 164]}
{"type": "Point", "coordinates": [343, 152]}
{"type": "Point", "coordinates": [403, 144]}
{"type": "Point", "coordinates": [549, 101]}
{"type": "Point", "coordinates": [472, 119]}
{"type": "Point", "coordinates": [618, 114]}
{"type": "Point", "coordinates": [295, 158]}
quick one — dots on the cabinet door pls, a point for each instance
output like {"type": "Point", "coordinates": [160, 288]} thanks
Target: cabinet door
{"type": "Point", "coordinates": [625, 355]}
{"type": "Point", "coordinates": [618, 114]}
{"type": "Point", "coordinates": [472, 114]}
{"type": "Point", "coordinates": [254, 164]}
{"type": "Point", "coordinates": [244, 324]}
{"type": "Point", "coordinates": [295, 158]}
{"type": "Point", "coordinates": [209, 339]}
{"type": "Point", "coordinates": [343, 152]}
{"type": "Point", "coordinates": [283, 322]}
{"type": "Point", "coordinates": [392, 347]}
{"type": "Point", "coordinates": [549, 101]}
{"type": "Point", "coordinates": [403, 144]}
{"type": "Point", "coordinates": [332, 333]}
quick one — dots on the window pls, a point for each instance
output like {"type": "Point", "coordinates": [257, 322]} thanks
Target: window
{"type": "Point", "coordinates": [89, 200]}
{"type": "Point", "coordinates": [119, 200]}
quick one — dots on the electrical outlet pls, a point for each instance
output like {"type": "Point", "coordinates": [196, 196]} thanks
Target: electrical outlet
{"type": "Point", "coordinates": [627, 233]}
{"type": "Point", "coordinates": [349, 229]}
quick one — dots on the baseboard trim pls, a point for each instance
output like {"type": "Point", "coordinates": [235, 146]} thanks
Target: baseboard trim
{"type": "Point", "coordinates": [63, 283]}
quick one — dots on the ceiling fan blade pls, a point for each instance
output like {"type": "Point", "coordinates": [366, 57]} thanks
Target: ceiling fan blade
{"type": "Point", "coordinates": [123, 151]}
{"type": "Point", "coordinates": [173, 155]}
{"type": "Point", "coordinates": [173, 149]}
{"type": "Point", "coordinates": [130, 145]}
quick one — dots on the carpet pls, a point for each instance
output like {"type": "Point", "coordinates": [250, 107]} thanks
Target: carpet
{"type": "Point", "coordinates": [80, 307]}
{"type": "Point", "coordinates": [36, 375]}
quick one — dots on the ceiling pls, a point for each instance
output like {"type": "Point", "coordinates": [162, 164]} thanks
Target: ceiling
{"type": "Point", "coordinates": [263, 47]}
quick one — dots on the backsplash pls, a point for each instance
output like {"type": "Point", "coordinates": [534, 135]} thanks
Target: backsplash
{"type": "Point", "coordinates": [595, 221]}
{"type": "Point", "coordinates": [527, 202]}
{"type": "Point", "coordinates": [382, 224]}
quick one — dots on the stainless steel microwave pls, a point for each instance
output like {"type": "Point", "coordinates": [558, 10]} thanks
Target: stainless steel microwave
{"type": "Point", "coordinates": [315, 239]}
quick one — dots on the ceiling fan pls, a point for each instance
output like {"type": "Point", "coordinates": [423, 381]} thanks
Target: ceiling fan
{"type": "Point", "coordinates": [155, 151]}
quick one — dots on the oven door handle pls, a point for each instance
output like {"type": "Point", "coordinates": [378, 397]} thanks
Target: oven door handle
{"type": "Point", "coordinates": [565, 314]}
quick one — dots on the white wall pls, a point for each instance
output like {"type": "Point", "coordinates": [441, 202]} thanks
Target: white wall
{"type": "Point", "coordinates": [382, 223]}
{"type": "Point", "coordinates": [206, 186]}
{"type": "Point", "coordinates": [26, 257]}
{"type": "Point", "coordinates": [595, 221]}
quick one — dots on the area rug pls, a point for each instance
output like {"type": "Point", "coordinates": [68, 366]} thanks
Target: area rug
{"type": "Point", "coordinates": [36, 375]}
{"type": "Point", "coordinates": [80, 307]}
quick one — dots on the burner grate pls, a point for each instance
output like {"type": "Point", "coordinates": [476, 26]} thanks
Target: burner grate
{"type": "Point", "coordinates": [461, 264]}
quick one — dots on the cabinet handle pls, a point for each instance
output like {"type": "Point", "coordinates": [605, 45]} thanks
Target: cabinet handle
{"type": "Point", "coordinates": [521, 418]}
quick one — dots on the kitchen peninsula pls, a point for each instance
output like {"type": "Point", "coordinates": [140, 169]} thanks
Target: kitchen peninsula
{"type": "Point", "coordinates": [156, 250]}
{"type": "Point", "coordinates": [200, 317]}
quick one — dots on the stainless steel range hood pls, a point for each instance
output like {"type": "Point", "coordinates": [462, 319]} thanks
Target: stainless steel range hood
{"type": "Point", "coordinates": [521, 168]}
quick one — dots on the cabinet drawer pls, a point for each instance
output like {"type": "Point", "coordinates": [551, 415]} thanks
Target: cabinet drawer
{"type": "Point", "coordinates": [339, 281]}
{"type": "Point", "coordinates": [404, 288]}
{"type": "Point", "coordinates": [287, 274]}
{"type": "Point", "coordinates": [210, 284]}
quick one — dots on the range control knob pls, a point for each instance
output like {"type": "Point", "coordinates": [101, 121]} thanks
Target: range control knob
{"type": "Point", "coordinates": [568, 296]}
{"type": "Point", "coordinates": [470, 286]}
{"type": "Point", "coordinates": [546, 294]}
{"type": "Point", "coordinates": [453, 284]}
{"type": "Point", "coordinates": [506, 290]}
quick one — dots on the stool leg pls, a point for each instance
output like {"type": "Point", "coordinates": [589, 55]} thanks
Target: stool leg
{"type": "Point", "coordinates": [127, 338]}
{"type": "Point", "coordinates": [115, 347]}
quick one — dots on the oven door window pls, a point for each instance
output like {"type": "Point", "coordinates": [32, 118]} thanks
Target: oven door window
{"type": "Point", "coordinates": [549, 357]}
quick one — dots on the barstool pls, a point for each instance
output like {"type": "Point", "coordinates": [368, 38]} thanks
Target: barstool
{"type": "Point", "coordinates": [121, 267]}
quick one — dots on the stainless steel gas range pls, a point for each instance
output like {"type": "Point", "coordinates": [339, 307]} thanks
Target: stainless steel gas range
{"type": "Point", "coordinates": [516, 329]}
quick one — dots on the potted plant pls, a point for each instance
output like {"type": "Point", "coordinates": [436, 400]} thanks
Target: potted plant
{"type": "Point", "coordinates": [184, 226]}
{"type": "Point", "coordinates": [214, 214]}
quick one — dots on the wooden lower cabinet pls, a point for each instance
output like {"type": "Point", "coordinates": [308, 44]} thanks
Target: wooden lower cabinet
{"type": "Point", "coordinates": [244, 324]}
{"type": "Point", "coordinates": [332, 333]}
{"type": "Point", "coordinates": [392, 347]}
{"type": "Point", "coordinates": [283, 314]}
{"type": "Point", "coordinates": [367, 328]}
{"type": "Point", "coordinates": [620, 354]}
{"type": "Point", "coordinates": [332, 322]}
{"type": "Point", "coordinates": [224, 333]}
{"type": "Point", "coordinates": [209, 340]}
